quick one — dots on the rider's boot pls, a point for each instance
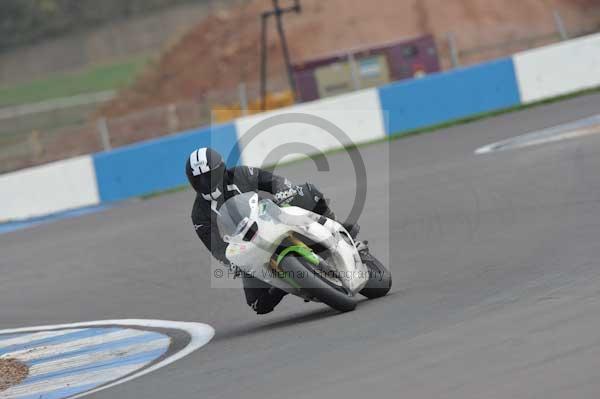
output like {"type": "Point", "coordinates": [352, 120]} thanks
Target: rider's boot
{"type": "Point", "coordinates": [324, 209]}
{"type": "Point", "coordinates": [363, 250]}
{"type": "Point", "coordinates": [353, 229]}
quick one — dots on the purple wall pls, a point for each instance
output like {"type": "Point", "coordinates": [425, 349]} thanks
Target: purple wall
{"type": "Point", "coordinates": [406, 60]}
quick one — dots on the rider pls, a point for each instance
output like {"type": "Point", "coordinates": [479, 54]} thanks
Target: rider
{"type": "Point", "coordinates": [215, 184]}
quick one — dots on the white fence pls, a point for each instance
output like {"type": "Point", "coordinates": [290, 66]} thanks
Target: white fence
{"type": "Point", "coordinates": [558, 69]}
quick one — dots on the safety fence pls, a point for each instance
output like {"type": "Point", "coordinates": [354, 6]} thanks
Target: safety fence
{"type": "Point", "coordinates": [46, 132]}
{"type": "Point", "coordinates": [465, 48]}
{"type": "Point", "coordinates": [41, 133]}
{"type": "Point", "coordinates": [155, 165]}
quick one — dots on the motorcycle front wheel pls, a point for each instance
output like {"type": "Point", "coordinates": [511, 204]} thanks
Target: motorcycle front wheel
{"type": "Point", "coordinates": [309, 280]}
{"type": "Point", "coordinates": [380, 278]}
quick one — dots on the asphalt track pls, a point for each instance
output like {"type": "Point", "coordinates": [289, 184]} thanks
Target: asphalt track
{"type": "Point", "coordinates": [496, 263]}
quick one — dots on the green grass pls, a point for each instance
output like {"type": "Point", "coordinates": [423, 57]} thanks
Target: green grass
{"type": "Point", "coordinates": [94, 79]}
{"type": "Point", "coordinates": [165, 192]}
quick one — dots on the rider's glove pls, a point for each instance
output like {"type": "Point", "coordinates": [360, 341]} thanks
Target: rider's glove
{"type": "Point", "coordinates": [267, 302]}
{"type": "Point", "coordinates": [286, 196]}
{"type": "Point", "coordinates": [237, 272]}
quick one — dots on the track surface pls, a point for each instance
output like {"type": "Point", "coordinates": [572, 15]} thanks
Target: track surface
{"type": "Point", "coordinates": [496, 263]}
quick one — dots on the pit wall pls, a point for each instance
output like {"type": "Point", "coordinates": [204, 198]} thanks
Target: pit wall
{"type": "Point", "coordinates": [363, 116]}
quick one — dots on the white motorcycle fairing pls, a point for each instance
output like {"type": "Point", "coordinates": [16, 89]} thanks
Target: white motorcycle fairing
{"type": "Point", "coordinates": [274, 224]}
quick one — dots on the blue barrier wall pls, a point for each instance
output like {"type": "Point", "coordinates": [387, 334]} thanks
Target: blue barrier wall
{"type": "Point", "coordinates": [157, 165]}
{"type": "Point", "coordinates": [448, 96]}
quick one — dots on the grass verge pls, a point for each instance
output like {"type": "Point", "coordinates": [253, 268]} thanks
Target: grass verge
{"type": "Point", "coordinates": [92, 80]}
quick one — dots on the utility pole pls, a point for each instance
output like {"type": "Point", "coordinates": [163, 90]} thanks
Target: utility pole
{"type": "Point", "coordinates": [263, 61]}
{"type": "Point", "coordinates": [560, 26]}
{"type": "Point", "coordinates": [278, 12]}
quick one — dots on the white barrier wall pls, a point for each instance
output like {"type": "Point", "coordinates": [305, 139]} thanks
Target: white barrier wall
{"type": "Point", "coordinates": [48, 189]}
{"type": "Point", "coordinates": [304, 128]}
{"type": "Point", "coordinates": [558, 69]}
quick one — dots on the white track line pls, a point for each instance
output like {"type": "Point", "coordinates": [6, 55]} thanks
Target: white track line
{"type": "Point", "coordinates": [581, 128]}
{"type": "Point", "coordinates": [30, 354]}
{"type": "Point", "coordinates": [94, 377]}
{"type": "Point", "coordinates": [23, 339]}
{"type": "Point", "coordinates": [91, 358]}
{"type": "Point", "coordinates": [200, 334]}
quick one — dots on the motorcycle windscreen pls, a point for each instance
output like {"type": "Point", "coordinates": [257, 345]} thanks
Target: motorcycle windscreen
{"type": "Point", "coordinates": [235, 214]}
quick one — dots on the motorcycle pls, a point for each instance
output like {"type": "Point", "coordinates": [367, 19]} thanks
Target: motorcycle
{"type": "Point", "coordinates": [300, 252]}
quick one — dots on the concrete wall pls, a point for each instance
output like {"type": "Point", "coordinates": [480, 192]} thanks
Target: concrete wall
{"type": "Point", "coordinates": [48, 189]}
{"type": "Point", "coordinates": [450, 95]}
{"type": "Point", "coordinates": [157, 165]}
{"type": "Point", "coordinates": [558, 69]}
{"type": "Point", "coordinates": [305, 129]}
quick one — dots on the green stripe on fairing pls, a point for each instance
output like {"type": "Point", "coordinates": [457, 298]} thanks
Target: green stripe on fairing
{"type": "Point", "coordinates": [302, 250]}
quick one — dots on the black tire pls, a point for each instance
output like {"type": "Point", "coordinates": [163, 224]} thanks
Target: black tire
{"type": "Point", "coordinates": [380, 279]}
{"type": "Point", "coordinates": [315, 285]}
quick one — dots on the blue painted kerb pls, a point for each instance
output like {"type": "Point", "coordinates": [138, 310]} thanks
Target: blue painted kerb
{"type": "Point", "coordinates": [449, 96]}
{"type": "Point", "coordinates": [158, 165]}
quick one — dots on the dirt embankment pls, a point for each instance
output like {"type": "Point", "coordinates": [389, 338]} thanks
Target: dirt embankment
{"type": "Point", "coordinates": [223, 50]}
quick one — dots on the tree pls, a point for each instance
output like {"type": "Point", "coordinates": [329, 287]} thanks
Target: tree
{"type": "Point", "coordinates": [24, 22]}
